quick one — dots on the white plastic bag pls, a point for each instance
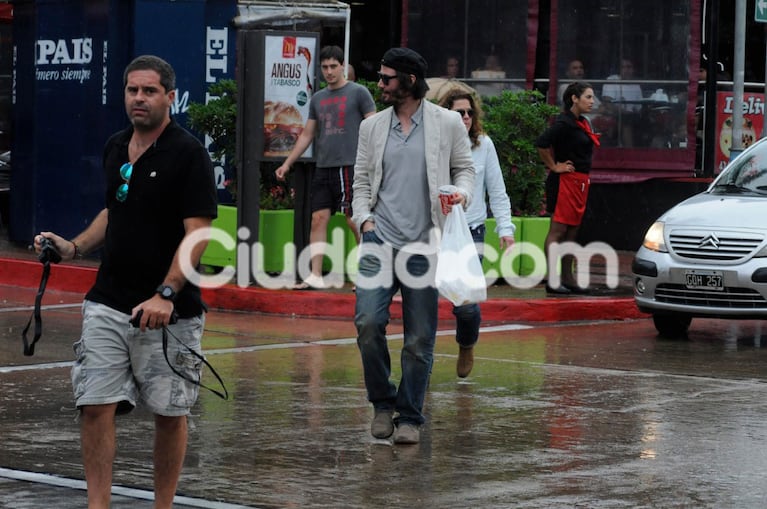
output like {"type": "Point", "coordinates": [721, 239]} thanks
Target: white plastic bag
{"type": "Point", "coordinates": [459, 276]}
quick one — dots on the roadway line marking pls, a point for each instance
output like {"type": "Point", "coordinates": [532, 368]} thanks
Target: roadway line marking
{"type": "Point", "coordinates": [272, 346]}
{"type": "Point", "coordinates": [50, 306]}
{"type": "Point", "coordinates": [30, 367]}
{"type": "Point", "coordinates": [139, 494]}
{"type": "Point", "coordinates": [350, 341]}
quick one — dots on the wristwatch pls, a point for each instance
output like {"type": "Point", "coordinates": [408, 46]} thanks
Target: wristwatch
{"type": "Point", "coordinates": [166, 292]}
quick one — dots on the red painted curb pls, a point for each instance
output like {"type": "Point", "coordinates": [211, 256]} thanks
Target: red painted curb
{"type": "Point", "coordinates": [335, 305]}
{"type": "Point", "coordinates": [65, 277]}
{"type": "Point", "coordinates": [73, 278]}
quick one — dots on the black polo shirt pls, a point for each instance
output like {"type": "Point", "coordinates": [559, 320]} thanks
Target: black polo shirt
{"type": "Point", "coordinates": [570, 142]}
{"type": "Point", "coordinates": [171, 181]}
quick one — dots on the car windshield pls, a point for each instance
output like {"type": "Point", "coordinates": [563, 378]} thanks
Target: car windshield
{"type": "Point", "coordinates": [746, 174]}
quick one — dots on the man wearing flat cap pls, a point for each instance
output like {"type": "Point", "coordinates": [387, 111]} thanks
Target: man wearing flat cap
{"type": "Point", "coordinates": [405, 154]}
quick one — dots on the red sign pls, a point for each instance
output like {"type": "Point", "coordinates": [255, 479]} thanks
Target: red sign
{"type": "Point", "coordinates": [753, 123]}
{"type": "Point", "coordinates": [288, 47]}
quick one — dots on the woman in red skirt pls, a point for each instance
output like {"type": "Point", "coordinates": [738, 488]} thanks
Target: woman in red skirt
{"type": "Point", "coordinates": [566, 148]}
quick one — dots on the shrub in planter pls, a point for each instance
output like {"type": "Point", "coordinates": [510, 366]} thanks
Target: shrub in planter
{"type": "Point", "coordinates": [372, 87]}
{"type": "Point", "coordinates": [218, 120]}
{"type": "Point", "coordinates": [514, 120]}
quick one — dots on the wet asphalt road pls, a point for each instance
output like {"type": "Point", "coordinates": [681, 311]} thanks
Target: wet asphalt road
{"type": "Point", "coordinates": [587, 415]}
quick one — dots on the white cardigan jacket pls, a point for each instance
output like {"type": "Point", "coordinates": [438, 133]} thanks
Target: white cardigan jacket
{"type": "Point", "coordinates": [448, 159]}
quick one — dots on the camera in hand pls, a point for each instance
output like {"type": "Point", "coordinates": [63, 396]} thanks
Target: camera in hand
{"type": "Point", "coordinates": [136, 320]}
{"type": "Point", "coordinates": [48, 251]}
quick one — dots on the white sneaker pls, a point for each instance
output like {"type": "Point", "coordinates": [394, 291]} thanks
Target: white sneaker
{"type": "Point", "coordinates": [311, 283]}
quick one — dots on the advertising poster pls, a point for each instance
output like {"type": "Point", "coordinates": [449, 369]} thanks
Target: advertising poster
{"type": "Point", "coordinates": [289, 63]}
{"type": "Point", "coordinates": [753, 123]}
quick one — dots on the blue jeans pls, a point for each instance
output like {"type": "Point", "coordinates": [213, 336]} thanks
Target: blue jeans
{"type": "Point", "coordinates": [468, 317]}
{"type": "Point", "coordinates": [419, 311]}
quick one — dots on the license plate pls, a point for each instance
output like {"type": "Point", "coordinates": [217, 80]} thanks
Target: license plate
{"type": "Point", "coordinates": [704, 280]}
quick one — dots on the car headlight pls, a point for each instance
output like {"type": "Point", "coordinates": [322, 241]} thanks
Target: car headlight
{"type": "Point", "coordinates": [653, 239]}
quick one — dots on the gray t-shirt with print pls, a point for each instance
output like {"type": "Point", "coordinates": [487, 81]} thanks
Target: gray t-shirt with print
{"type": "Point", "coordinates": [338, 114]}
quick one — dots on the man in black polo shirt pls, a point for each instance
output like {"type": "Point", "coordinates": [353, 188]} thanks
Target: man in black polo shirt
{"type": "Point", "coordinates": [160, 189]}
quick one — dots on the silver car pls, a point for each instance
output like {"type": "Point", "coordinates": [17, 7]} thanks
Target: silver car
{"type": "Point", "coordinates": [707, 256]}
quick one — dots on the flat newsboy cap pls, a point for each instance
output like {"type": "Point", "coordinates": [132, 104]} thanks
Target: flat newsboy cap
{"type": "Point", "coordinates": [405, 60]}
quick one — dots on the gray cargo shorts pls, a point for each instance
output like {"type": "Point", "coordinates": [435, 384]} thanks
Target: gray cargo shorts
{"type": "Point", "coordinates": [117, 363]}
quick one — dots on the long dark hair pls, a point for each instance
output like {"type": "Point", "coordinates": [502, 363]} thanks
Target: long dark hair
{"type": "Point", "coordinates": [576, 89]}
{"type": "Point", "coordinates": [417, 90]}
{"type": "Point", "coordinates": [454, 95]}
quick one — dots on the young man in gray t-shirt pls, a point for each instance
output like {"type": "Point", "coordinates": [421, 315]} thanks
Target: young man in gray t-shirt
{"type": "Point", "coordinates": [335, 114]}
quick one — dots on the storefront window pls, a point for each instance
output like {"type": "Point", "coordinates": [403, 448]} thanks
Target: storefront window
{"type": "Point", "coordinates": [487, 39]}
{"type": "Point", "coordinates": [636, 55]}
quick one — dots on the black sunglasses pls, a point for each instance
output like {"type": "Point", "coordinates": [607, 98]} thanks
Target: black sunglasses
{"type": "Point", "coordinates": [468, 112]}
{"type": "Point", "coordinates": [385, 78]}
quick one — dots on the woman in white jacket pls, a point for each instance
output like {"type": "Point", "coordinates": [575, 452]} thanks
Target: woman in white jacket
{"type": "Point", "coordinates": [488, 182]}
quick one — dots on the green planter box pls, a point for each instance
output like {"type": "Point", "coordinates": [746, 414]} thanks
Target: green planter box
{"type": "Point", "coordinates": [501, 266]}
{"type": "Point", "coordinates": [276, 231]}
{"type": "Point", "coordinates": [534, 231]}
{"type": "Point", "coordinates": [530, 236]}
{"type": "Point", "coordinates": [275, 228]}
{"type": "Point", "coordinates": [216, 255]}
{"type": "Point", "coordinates": [339, 230]}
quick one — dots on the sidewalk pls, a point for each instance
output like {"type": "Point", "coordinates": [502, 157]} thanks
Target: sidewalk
{"type": "Point", "coordinates": [19, 267]}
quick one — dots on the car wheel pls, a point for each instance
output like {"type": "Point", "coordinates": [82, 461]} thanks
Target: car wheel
{"type": "Point", "coordinates": [672, 326]}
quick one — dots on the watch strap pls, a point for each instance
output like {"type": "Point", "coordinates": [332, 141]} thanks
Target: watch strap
{"type": "Point", "coordinates": [166, 292]}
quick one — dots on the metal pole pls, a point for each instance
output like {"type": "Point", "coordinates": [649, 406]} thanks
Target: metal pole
{"type": "Point", "coordinates": [347, 37]}
{"type": "Point", "coordinates": [465, 59]}
{"type": "Point", "coordinates": [738, 78]}
{"type": "Point", "coordinates": [764, 114]}
{"type": "Point", "coordinates": [709, 106]}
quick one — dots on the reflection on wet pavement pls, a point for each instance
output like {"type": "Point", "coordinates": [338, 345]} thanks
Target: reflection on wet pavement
{"type": "Point", "coordinates": [565, 415]}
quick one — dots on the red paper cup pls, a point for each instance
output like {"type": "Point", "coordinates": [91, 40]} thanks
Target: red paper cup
{"type": "Point", "coordinates": [445, 194]}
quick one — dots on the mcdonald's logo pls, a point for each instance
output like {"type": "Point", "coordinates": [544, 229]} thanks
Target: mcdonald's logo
{"type": "Point", "coordinates": [288, 47]}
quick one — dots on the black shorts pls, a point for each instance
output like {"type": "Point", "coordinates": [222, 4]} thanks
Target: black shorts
{"type": "Point", "coordinates": [332, 189]}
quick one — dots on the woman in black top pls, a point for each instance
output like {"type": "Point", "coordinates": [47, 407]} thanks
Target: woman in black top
{"type": "Point", "coordinates": [566, 148]}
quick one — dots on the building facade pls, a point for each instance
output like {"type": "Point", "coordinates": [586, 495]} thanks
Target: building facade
{"type": "Point", "coordinates": [644, 60]}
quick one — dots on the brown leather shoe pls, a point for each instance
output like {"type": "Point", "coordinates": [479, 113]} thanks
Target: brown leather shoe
{"type": "Point", "coordinates": [465, 362]}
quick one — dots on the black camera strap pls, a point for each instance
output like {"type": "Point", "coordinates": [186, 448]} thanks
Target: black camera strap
{"type": "Point", "coordinates": [50, 254]}
{"type": "Point", "coordinates": [223, 395]}
{"type": "Point", "coordinates": [29, 348]}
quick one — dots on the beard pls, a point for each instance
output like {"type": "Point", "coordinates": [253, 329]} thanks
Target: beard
{"type": "Point", "coordinates": [145, 116]}
{"type": "Point", "coordinates": [395, 97]}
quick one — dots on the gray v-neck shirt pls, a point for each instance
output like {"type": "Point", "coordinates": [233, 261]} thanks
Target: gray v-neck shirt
{"type": "Point", "coordinates": [403, 210]}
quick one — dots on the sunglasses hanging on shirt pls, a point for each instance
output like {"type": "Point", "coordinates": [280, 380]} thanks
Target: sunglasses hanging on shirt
{"type": "Point", "coordinates": [126, 171]}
